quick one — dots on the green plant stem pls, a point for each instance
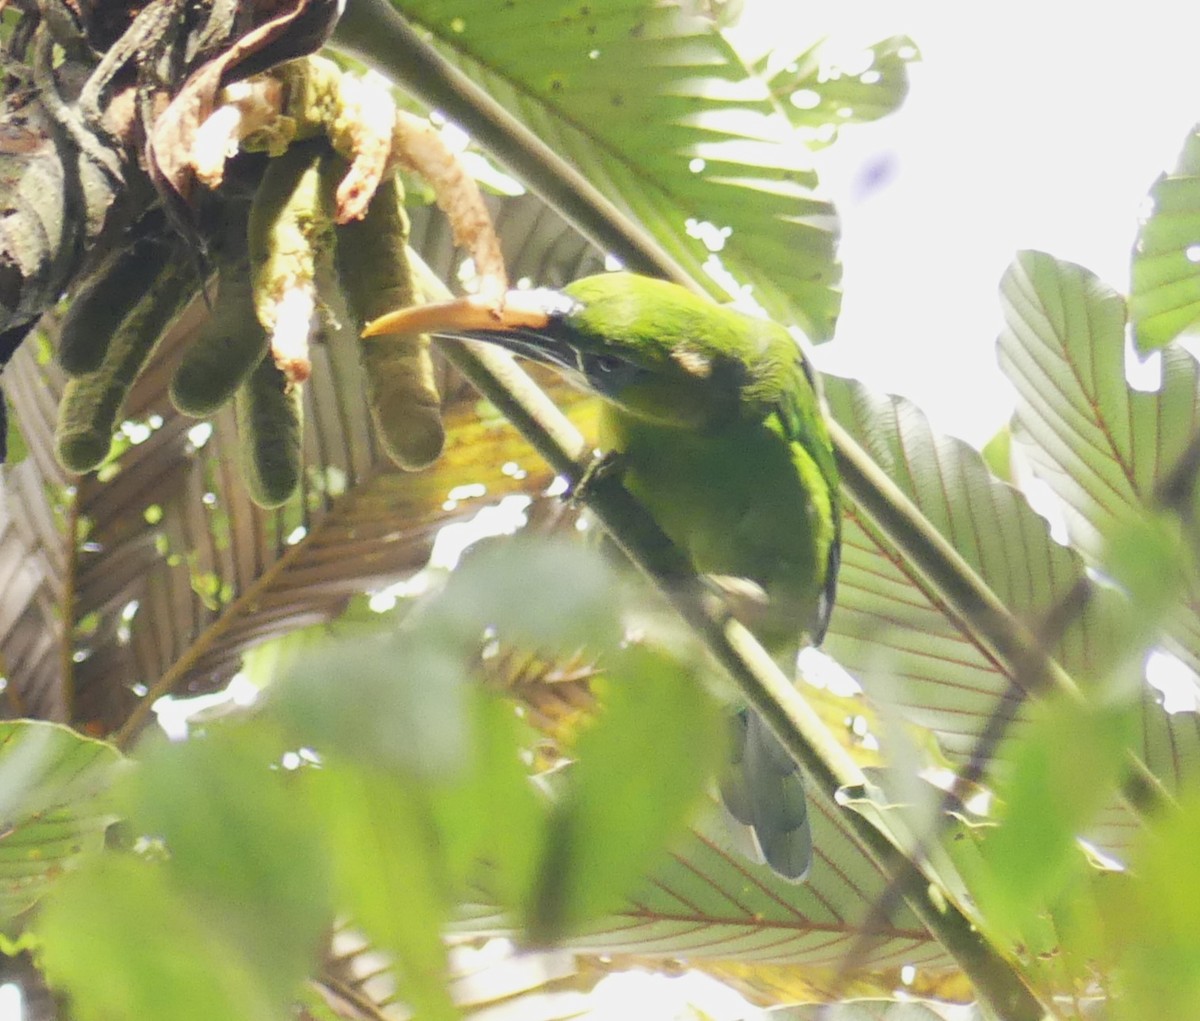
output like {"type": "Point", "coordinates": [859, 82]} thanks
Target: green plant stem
{"type": "Point", "coordinates": [826, 763]}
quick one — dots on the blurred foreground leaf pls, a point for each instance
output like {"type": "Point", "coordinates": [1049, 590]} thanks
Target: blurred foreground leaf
{"type": "Point", "coordinates": [640, 772]}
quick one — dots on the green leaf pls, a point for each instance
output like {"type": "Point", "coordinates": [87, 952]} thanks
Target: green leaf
{"type": "Point", "coordinates": [127, 944]}
{"type": "Point", "coordinates": [243, 848]}
{"type": "Point", "coordinates": [639, 772]}
{"type": "Point", "coordinates": [653, 105]}
{"type": "Point", "coordinates": [387, 697]}
{"type": "Point", "coordinates": [890, 626]}
{"type": "Point", "coordinates": [492, 821]}
{"type": "Point", "coordinates": [1152, 920]}
{"type": "Point", "coordinates": [1165, 297]}
{"type": "Point", "coordinates": [817, 94]}
{"type": "Point", "coordinates": [1060, 772]}
{"type": "Point", "coordinates": [1147, 557]}
{"type": "Point", "coordinates": [1100, 446]}
{"type": "Point", "coordinates": [55, 805]}
{"type": "Point", "coordinates": [541, 593]}
{"type": "Point", "coordinates": [390, 876]}
{"type": "Point", "coordinates": [997, 454]}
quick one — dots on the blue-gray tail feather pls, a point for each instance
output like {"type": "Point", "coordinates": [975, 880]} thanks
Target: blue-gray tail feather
{"type": "Point", "coordinates": [763, 789]}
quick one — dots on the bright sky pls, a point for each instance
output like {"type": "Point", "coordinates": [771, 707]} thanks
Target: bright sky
{"type": "Point", "coordinates": [1030, 124]}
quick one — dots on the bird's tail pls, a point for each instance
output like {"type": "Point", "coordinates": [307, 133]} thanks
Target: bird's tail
{"type": "Point", "coordinates": [763, 789]}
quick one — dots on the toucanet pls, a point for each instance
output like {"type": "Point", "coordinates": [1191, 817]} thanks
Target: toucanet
{"type": "Point", "coordinates": [719, 433]}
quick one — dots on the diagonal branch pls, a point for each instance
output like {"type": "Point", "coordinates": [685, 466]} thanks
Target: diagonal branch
{"type": "Point", "coordinates": [373, 31]}
{"type": "Point", "coordinates": [827, 765]}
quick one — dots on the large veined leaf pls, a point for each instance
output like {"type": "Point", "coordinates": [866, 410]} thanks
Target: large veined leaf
{"type": "Point", "coordinates": [1100, 445]}
{"type": "Point", "coordinates": [169, 573]}
{"type": "Point", "coordinates": [1165, 297]}
{"type": "Point", "coordinates": [54, 786]}
{"type": "Point", "coordinates": [891, 628]}
{"type": "Point", "coordinates": [709, 903]}
{"type": "Point", "coordinates": [663, 118]}
{"type": "Point", "coordinates": [33, 579]}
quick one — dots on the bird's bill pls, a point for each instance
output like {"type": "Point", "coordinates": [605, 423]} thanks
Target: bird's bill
{"type": "Point", "coordinates": [525, 323]}
{"type": "Point", "coordinates": [520, 310]}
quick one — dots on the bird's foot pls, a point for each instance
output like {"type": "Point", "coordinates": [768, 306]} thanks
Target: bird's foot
{"type": "Point", "coordinates": [604, 468]}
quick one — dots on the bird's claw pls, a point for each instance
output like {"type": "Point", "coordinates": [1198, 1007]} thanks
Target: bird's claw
{"type": "Point", "coordinates": [603, 467]}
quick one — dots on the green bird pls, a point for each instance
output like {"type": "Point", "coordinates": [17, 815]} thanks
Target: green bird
{"type": "Point", "coordinates": [717, 426]}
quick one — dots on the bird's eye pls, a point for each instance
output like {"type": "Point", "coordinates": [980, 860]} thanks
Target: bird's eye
{"type": "Point", "coordinates": [608, 374]}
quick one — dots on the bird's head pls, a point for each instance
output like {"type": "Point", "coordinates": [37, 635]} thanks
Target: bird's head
{"type": "Point", "coordinates": [653, 348]}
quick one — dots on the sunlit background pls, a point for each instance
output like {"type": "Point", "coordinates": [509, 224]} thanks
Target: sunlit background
{"type": "Point", "coordinates": [1029, 124]}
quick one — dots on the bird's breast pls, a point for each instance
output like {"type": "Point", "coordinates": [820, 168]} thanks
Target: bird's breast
{"type": "Point", "coordinates": [734, 501]}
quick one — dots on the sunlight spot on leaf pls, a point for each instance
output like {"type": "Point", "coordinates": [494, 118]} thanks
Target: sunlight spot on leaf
{"type": "Point", "coordinates": [709, 234]}
{"type": "Point", "coordinates": [806, 99]}
{"type": "Point", "coordinates": [908, 974]}
{"type": "Point", "coordinates": [593, 54]}
{"type": "Point", "coordinates": [199, 434]}
{"type": "Point", "coordinates": [513, 470]}
{"type": "Point", "coordinates": [458, 25]}
{"type": "Point", "coordinates": [696, 165]}
{"type": "Point", "coordinates": [504, 518]}
{"type": "Point", "coordinates": [136, 432]}
{"type": "Point", "coordinates": [382, 602]}
{"type": "Point", "coordinates": [1170, 675]}
{"type": "Point", "coordinates": [129, 610]}
{"type": "Point", "coordinates": [823, 671]}
{"type": "Point", "coordinates": [242, 691]}
{"type": "Point", "coordinates": [558, 486]}
{"type": "Point", "coordinates": [1193, 253]}
{"type": "Point", "coordinates": [871, 78]}
{"type": "Point", "coordinates": [1099, 857]}
{"type": "Point", "coordinates": [296, 535]}
{"type": "Point", "coordinates": [467, 492]}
